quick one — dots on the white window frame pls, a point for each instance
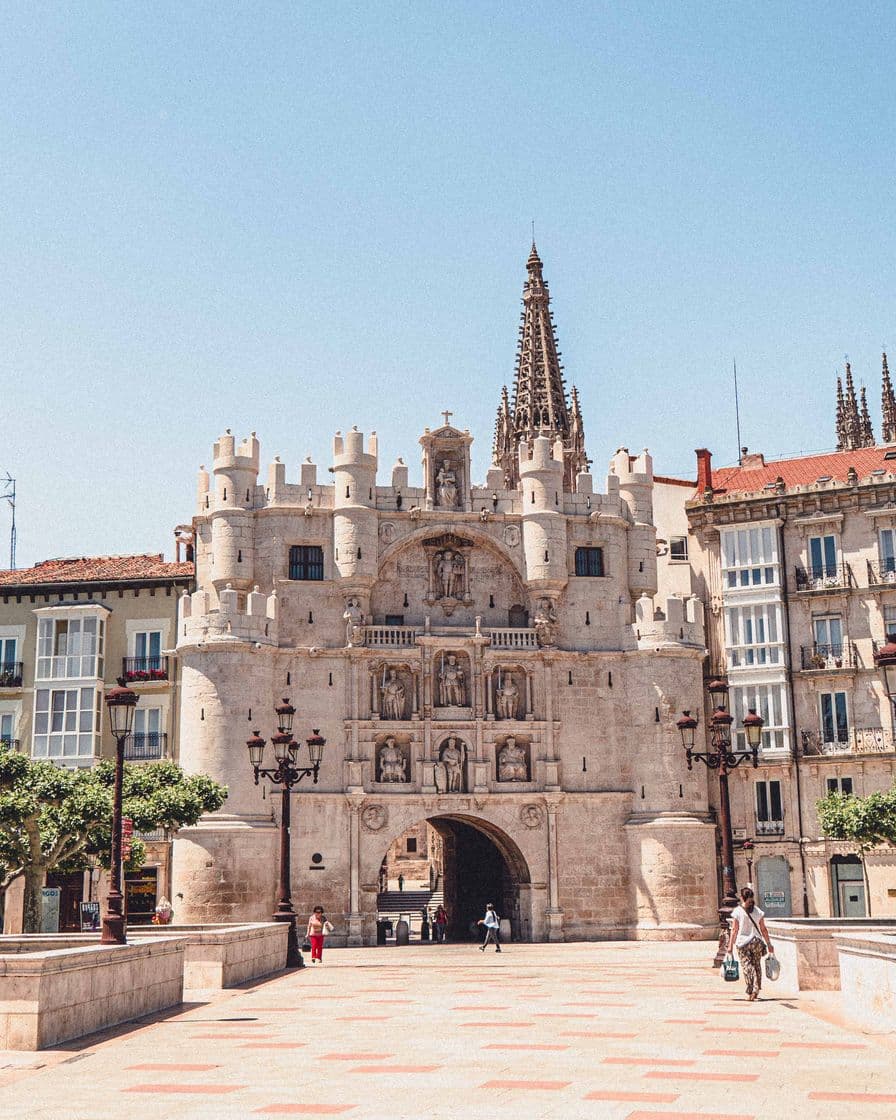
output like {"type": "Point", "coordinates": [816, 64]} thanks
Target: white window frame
{"type": "Point", "coordinates": [840, 735]}
{"type": "Point", "coordinates": [835, 785]}
{"type": "Point", "coordinates": [746, 623]}
{"type": "Point", "coordinates": [771, 701]}
{"type": "Point", "coordinates": [682, 542]}
{"type": "Point", "coordinates": [68, 729]}
{"type": "Point", "coordinates": [769, 825]}
{"type": "Point", "coordinates": [749, 557]}
{"type": "Point", "coordinates": [70, 666]}
{"type": "Point", "coordinates": [828, 566]}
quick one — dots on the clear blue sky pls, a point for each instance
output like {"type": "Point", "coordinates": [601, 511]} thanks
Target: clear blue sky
{"type": "Point", "coordinates": [295, 217]}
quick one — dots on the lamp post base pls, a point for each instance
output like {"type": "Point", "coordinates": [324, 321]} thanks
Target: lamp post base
{"type": "Point", "coordinates": [294, 957]}
{"type": "Point", "coordinates": [728, 904]}
{"type": "Point", "coordinates": [113, 930]}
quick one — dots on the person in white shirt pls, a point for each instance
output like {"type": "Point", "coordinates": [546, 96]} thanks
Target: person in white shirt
{"type": "Point", "coordinates": [750, 937]}
{"type": "Point", "coordinates": [492, 925]}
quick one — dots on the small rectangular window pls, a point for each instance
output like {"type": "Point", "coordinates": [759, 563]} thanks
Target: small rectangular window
{"type": "Point", "coordinates": [678, 548]}
{"type": "Point", "coordinates": [394, 620]}
{"type": "Point", "coordinates": [306, 561]}
{"type": "Point", "coordinates": [412, 843]}
{"type": "Point", "coordinates": [589, 561]}
{"type": "Point", "coordinates": [840, 785]}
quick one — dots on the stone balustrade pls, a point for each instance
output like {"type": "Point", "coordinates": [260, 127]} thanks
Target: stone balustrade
{"type": "Point", "coordinates": [390, 637]}
{"type": "Point", "coordinates": [513, 638]}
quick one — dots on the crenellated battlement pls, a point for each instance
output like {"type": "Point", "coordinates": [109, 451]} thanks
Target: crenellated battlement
{"type": "Point", "coordinates": [238, 616]}
{"type": "Point", "coordinates": [679, 624]}
{"type": "Point", "coordinates": [226, 455]}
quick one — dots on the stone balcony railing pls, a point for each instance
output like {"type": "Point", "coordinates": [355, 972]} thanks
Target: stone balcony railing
{"type": "Point", "coordinates": [398, 637]}
{"type": "Point", "coordinates": [394, 637]}
{"type": "Point", "coordinates": [513, 637]}
{"type": "Point", "coordinates": [859, 740]}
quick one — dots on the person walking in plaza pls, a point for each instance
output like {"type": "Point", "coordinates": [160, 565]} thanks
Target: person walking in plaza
{"type": "Point", "coordinates": [749, 935]}
{"type": "Point", "coordinates": [440, 924]}
{"type": "Point", "coordinates": [492, 924]}
{"type": "Point", "coordinates": [318, 928]}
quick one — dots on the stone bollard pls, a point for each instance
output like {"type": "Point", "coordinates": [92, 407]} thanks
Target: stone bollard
{"type": "Point", "coordinates": [402, 932]}
{"type": "Point", "coordinates": [505, 930]}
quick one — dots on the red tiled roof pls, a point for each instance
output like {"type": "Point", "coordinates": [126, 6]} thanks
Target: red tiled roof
{"type": "Point", "coordinates": [804, 470]}
{"type": "Point", "coordinates": [96, 569]}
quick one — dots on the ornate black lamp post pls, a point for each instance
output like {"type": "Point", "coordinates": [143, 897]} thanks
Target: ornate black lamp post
{"type": "Point", "coordinates": [121, 703]}
{"type": "Point", "coordinates": [885, 660]}
{"type": "Point", "coordinates": [286, 774]}
{"type": "Point", "coordinates": [723, 758]}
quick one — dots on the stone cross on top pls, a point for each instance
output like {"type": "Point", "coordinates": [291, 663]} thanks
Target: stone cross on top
{"type": "Point", "coordinates": [447, 416]}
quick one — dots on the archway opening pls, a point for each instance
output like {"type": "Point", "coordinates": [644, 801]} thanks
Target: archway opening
{"type": "Point", "coordinates": [458, 862]}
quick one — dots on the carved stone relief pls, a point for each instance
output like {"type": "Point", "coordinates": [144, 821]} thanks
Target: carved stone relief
{"type": "Point", "coordinates": [374, 817]}
{"type": "Point", "coordinates": [531, 816]}
{"type": "Point", "coordinates": [392, 762]}
{"type": "Point", "coordinates": [512, 763]}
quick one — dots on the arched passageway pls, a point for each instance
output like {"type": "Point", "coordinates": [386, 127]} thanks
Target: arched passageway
{"type": "Point", "coordinates": [464, 863]}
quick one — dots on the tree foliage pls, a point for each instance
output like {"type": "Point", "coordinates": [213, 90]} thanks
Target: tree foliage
{"type": "Point", "coordinates": [56, 818]}
{"type": "Point", "coordinates": [864, 821]}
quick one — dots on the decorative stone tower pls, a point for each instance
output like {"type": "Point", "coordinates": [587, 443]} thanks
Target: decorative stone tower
{"type": "Point", "coordinates": [540, 404]}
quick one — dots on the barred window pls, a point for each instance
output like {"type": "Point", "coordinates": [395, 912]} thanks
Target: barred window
{"type": "Point", "coordinates": [589, 561]}
{"type": "Point", "coordinates": [306, 561]}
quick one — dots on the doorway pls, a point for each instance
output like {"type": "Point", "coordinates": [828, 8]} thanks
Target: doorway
{"type": "Point", "coordinates": [461, 863]}
{"type": "Point", "coordinates": [848, 887]}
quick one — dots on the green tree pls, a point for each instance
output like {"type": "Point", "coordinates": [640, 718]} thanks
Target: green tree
{"type": "Point", "coordinates": [866, 822]}
{"type": "Point", "coordinates": [56, 818]}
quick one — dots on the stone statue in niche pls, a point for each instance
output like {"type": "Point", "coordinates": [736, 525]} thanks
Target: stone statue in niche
{"type": "Point", "coordinates": [393, 764]}
{"type": "Point", "coordinates": [450, 573]}
{"type": "Point", "coordinates": [446, 485]}
{"type": "Point", "coordinates": [354, 623]}
{"type": "Point", "coordinates": [507, 697]}
{"type": "Point", "coordinates": [512, 762]}
{"type": "Point", "coordinates": [452, 760]}
{"type": "Point", "coordinates": [545, 623]}
{"type": "Point", "coordinates": [452, 684]}
{"type": "Point", "coordinates": [394, 696]}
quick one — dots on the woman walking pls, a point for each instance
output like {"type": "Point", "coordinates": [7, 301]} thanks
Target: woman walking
{"type": "Point", "coordinates": [318, 928]}
{"type": "Point", "coordinates": [749, 936]}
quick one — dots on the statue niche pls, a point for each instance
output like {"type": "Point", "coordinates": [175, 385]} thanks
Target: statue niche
{"type": "Point", "coordinates": [392, 764]}
{"type": "Point", "coordinates": [450, 767]}
{"type": "Point", "coordinates": [507, 695]}
{"type": "Point", "coordinates": [446, 485]}
{"type": "Point", "coordinates": [512, 764]}
{"type": "Point", "coordinates": [452, 682]}
{"type": "Point", "coordinates": [448, 571]}
{"type": "Point", "coordinates": [395, 696]}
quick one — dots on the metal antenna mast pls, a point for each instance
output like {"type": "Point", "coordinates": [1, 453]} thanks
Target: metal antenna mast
{"type": "Point", "coordinates": [9, 493]}
{"type": "Point", "coordinates": [740, 454]}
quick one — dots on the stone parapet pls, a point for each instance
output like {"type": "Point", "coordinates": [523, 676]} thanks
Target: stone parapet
{"type": "Point", "coordinates": [679, 624]}
{"type": "Point", "coordinates": [239, 616]}
{"type": "Point", "coordinates": [868, 977]}
{"type": "Point", "coordinates": [223, 955]}
{"type": "Point", "coordinates": [807, 949]}
{"type": "Point", "coordinates": [54, 989]}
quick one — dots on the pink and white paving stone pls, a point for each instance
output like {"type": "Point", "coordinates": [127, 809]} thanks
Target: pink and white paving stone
{"type": "Point", "coordinates": [612, 1031]}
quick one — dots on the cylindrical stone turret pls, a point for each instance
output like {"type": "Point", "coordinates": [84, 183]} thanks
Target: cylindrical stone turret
{"type": "Point", "coordinates": [235, 472]}
{"type": "Point", "coordinates": [354, 501]}
{"type": "Point", "coordinates": [635, 476]}
{"type": "Point", "coordinates": [544, 526]}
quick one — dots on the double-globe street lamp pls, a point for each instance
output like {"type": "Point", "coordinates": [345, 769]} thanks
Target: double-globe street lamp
{"type": "Point", "coordinates": [121, 703]}
{"type": "Point", "coordinates": [286, 774]}
{"type": "Point", "coordinates": [723, 757]}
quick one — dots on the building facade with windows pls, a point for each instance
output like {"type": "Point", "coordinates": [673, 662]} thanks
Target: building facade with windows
{"type": "Point", "coordinates": [795, 562]}
{"type": "Point", "coordinates": [68, 629]}
{"type": "Point", "coordinates": [497, 661]}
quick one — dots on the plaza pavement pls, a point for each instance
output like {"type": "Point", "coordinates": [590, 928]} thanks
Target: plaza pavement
{"type": "Point", "coordinates": [620, 1031]}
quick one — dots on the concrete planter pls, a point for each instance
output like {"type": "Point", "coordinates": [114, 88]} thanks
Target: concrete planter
{"type": "Point", "coordinates": [57, 988]}
{"type": "Point", "coordinates": [222, 956]}
{"type": "Point", "coordinates": [868, 978]}
{"type": "Point", "coordinates": [807, 949]}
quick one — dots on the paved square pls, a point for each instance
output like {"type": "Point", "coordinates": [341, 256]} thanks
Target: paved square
{"type": "Point", "coordinates": [524, 1034]}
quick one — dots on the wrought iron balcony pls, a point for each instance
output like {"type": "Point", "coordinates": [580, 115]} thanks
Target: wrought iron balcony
{"type": "Point", "coordinates": [146, 747]}
{"type": "Point", "coordinates": [829, 659]}
{"type": "Point", "coordinates": [769, 828]}
{"type": "Point", "coordinates": [859, 740]}
{"type": "Point", "coordinates": [824, 578]}
{"type": "Point", "coordinates": [10, 744]}
{"type": "Point", "coordinates": [882, 573]}
{"type": "Point", "coordinates": [11, 674]}
{"type": "Point", "coordinates": [137, 670]}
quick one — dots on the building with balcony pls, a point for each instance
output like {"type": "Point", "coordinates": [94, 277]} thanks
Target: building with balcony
{"type": "Point", "coordinates": [68, 629]}
{"type": "Point", "coordinates": [502, 662]}
{"type": "Point", "coordinates": [795, 561]}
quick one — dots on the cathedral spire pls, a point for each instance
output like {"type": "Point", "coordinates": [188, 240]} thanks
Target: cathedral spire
{"type": "Point", "coordinates": [841, 417]}
{"type": "Point", "coordinates": [866, 432]}
{"type": "Point", "coordinates": [540, 402]}
{"type": "Point", "coordinates": [888, 406]}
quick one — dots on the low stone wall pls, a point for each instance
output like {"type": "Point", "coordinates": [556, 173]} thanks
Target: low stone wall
{"type": "Point", "coordinates": [868, 978]}
{"type": "Point", "coordinates": [223, 956]}
{"type": "Point", "coordinates": [807, 949]}
{"type": "Point", "coordinates": [56, 988]}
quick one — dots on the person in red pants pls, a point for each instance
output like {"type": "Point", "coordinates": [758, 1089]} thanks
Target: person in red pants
{"type": "Point", "coordinates": [318, 928]}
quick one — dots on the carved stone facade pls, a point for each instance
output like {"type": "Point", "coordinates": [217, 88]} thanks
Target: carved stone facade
{"type": "Point", "coordinates": [488, 658]}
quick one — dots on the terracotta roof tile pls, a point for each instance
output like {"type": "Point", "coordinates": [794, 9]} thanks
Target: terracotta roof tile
{"type": "Point", "coordinates": [805, 470]}
{"type": "Point", "coordinates": [96, 569]}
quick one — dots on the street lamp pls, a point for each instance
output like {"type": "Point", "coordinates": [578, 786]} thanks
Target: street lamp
{"type": "Point", "coordinates": [121, 703]}
{"type": "Point", "coordinates": [885, 660]}
{"type": "Point", "coordinates": [723, 757]}
{"type": "Point", "coordinates": [286, 774]}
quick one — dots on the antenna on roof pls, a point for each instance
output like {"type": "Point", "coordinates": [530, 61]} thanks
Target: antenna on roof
{"type": "Point", "coordinates": [740, 452]}
{"type": "Point", "coordinates": [9, 494]}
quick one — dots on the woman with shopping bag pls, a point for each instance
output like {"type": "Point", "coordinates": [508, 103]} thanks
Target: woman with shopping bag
{"type": "Point", "coordinates": [750, 937]}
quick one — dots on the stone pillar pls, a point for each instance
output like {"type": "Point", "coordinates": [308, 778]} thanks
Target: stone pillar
{"type": "Point", "coordinates": [415, 693]}
{"type": "Point", "coordinates": [554, 913]}
{"type": "Point", "coordinates": [489, 686]}
{"type": "Point", "coordinates": [530, 707]}
{"type": "Point", "coordinates": [355, 918]}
